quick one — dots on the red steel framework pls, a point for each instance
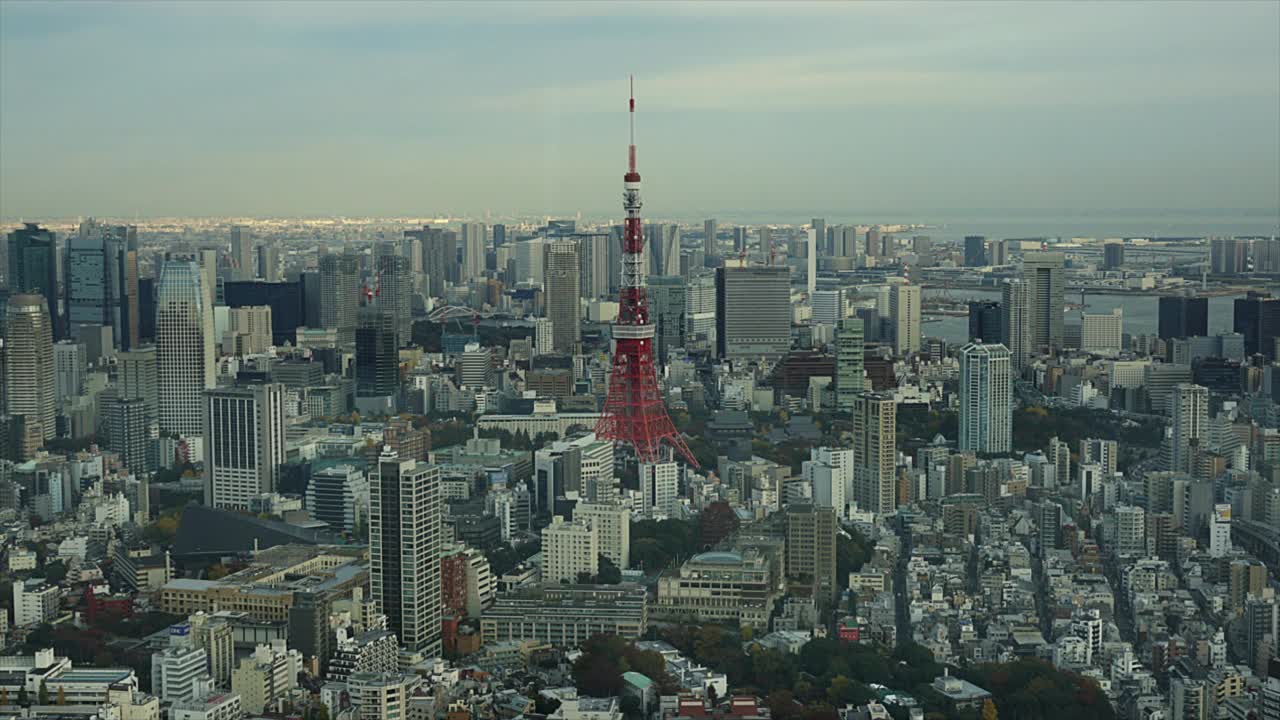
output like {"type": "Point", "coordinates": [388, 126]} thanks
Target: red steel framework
{"type": "Point", "coordinates": [633, 411]}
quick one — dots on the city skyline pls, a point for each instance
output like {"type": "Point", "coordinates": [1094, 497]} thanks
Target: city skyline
{"type": "Point", "coordinates": [270, 109]}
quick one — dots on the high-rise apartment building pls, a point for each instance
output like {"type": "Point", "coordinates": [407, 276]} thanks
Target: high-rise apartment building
{"type": "Point", "coordinates": [1044, 275]}
{"type": "Point", "coordinates": [700, 312]}
{"type": "Point", "coordinates": [753, 312]}
{"type": "Point", "coordinates": [1183, 317]}
{"type": "Point", "coordinates": [29, 377]}
{"type": "Point", "coordinates": [244, 443]}
{"type": "Point", "coordinates": [1102, 333]}
{"type": "Point", "coordinates": [475, 239]}
{"type": "Point", "coordinates": [975, 251]}
{"type": "Point", "coordinates": [1228, 255]}
{"type": "Point", "coordinates": [395, 291]}
{"type": "Point", "coordinates": [340, 294]}
{"type": "Point", "coordinates": [850, 380]}
{"type": "Point", "coordinates": [612, 523]}
{"type": "Point", "coordinates": [593, 264]}
{"type": "Point", "coordinates": [875, 417]}
{"type": "Point", "coordinates": [404, 549]}
{"type": "Point", "coordinates": [1189, 411]}
{"type": "Point", "coordinates": [569, 549]}
{"type": "Point", "coordinates": [660, 487]}
{"type": "Point", "coordinates": [829, 472]}
{"type": "Point", "coordinates": [184, 348]}
{"type": "Point", "coordinates": [1015, 321]}
{"type": "Point", "coordinates": [709, 247]}
{"type": "Point", "coordinates": [827, 306]}
{"type": "Point", "coordinates": [564, 305]}
{"type": "Point", "coordinates": [136, 377]}
{"type": "Point", "coordinates": [69, 366]}
{"type": "Point", "coordinates": [269, 263]}
{"type": "Point", "coordinates": [986, 399]}
{"type": "Point", "coordinates": [904, 311]}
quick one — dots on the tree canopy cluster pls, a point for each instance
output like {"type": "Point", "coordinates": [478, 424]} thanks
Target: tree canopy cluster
{"type": "Point", "coordinates": [598, 671]}
{"type": "Point", "coordinates": [655, 544]}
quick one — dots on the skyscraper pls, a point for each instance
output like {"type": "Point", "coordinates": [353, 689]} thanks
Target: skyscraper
{"type": "Point", "coordinates": [244, 443]}
{"type": "Point", "coordinates": [664, 248]}
{"type": "Point", "coordinates": [1189, 410]}
{"type": "Point", "coordinates": [33, 268]}
{"type": "Point", "coordinates": [1183, 317]}
{"type": "Point", "coordinates": [184, 348]}
{"type": "Point", "coordinates": [69, 366]}
{"type": "Point", "coordinates": [875, 417]}
{"type": "Point", "coordinates": [819, 226]}
{"type": "Point", "coordinates": [242, 259]}
{"type": "Point", "coordinates": [986, 399]}
{"type": "Point", "coordinates": [499, 233]}
{"type": "Point", "coordinates": [667, 309]}
{"type": "Point", "coordinates": [1015, 321]}
{"type": "Point", "coordinates": [340, 294]}
{"type": "Point", "coordinates": [475, 238]}
{"type": "Point", "coordinates": [660, 485]}
{"type": "Point", "coordinates": [395, 284]}
{"type": "Point", "coordinates": [28, 364]}
{"type": "Point", "coordinates": [1043, 273]}
{"type": "Point", "coordinates": [564, 305]}
{"type": "Point", "coordinates": [904, 311]}
{"type": "Point", "coordinates": [753, 312]}
{"type": "Point", "coordinates": [975, 251]}
{"type": "Point", "coordinates": [709, 247]}
{"type": "Point", "coordinates": [269, 263]}
{"type": "Point", "coordinates": [985, 322]}
{"type": "Point", "coordinates": [1113, 255]}
{"type": "Point", "coordinates": [849, 379]}
{"type": "Point", "coordinates": [1228, 255]}
{"type": "Point", "coordinates": [1257, 318]}
{"type": "Point", "coordinates": [811, 548]}
{"type": "Point", "coordinates": [136, 377]}
{"type": "Point", "coordinates": [1102, 332]}
{"type": "Point", "coordinates": [827, 306]}
{"type": "Point", "coordinates": [404, 549]}
{"type": "Point", "coordinates": [700, 312]}
{"type": "Point", "coordinates": [377, 362]}
{"type": "Point", "coordinates": [101, 288]}
{"type": "Point", "coordinates": [593, 263]}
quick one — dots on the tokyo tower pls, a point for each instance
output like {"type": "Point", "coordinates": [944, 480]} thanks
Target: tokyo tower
{"type": "Point", "coordinates": [633, 411]}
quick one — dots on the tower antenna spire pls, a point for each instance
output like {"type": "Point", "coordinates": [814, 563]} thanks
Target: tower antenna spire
{"type": "Point", "coordinates": [631, 149]}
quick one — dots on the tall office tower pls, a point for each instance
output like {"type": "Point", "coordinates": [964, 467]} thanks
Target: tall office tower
{"type": "Point", "coordinates": [564, 304]}
{"type": "Point", "coordinates": [664, 248]}
{"type": "Point", "coordinates": [28, 364]}
{"type": "Point", "coordinates": [739, 240]}
{"type": "Point", "coordinates": [474, 367]}
{"type": "Point", "coordinates": [1189, 424]}
{"type": "Point", "coordinates": [289, 307]}
{"type": "Point", "coordinates": [819, 226]}
{"type": "Point", "coordinates": [1228, 255]}
{"type": "Point", "coordinates": [667, 309]}
{"type": "Point", "coordinates": [340, 294]}
{"type": "Point", "coordinates": [242, 260]}
{"type": "Point", "coordinates": [873, 244]}
{"type": "Point", "coordinates": [499, 233]}
{"type": "Point", "coordinates": [986, 399]}
{"type": "Point", "coordinates": [405, 517]}
{"type": "Point", "coordinates": [811, 548]}
{"type": "Point", "coordinates": [136, 377]}
{"type": "Point", "coordinates": [593, 264]}
{"type": "Point", "coordinates": [753, 312]}
{"type": "Point", "coordinates": [184, 348]}
{"type": "Point", "coordinates": [764, 240]}
{"type": "Point", "coordinates": [1096, 451]}
{"type": "Point", "coordinates": [129, 430]}
{"type": "Point", "coordinates": [394, 288]}
{"type": "Point", "coordinates": [1102, 332]}
{"type": "Point", "coordinates": [875, 417]}
{"type": "Point", "coordinates": [1113, 255]}
{"type": "Point", "coordinates": [1043, 274]}
{"type": "Point", "coordinates": [269, 263]}
{"type": "Point", "coordinates": [101, 288]}
{"type": "Point", "coordinates": [904, 311]}
{"type": "Point", "coordinates": [1182, 316]}
{"type": "Point", "coordinates": [985, 322]}
{"type": "Point", "coordinates": [438, 257]}
{"type": "Point", "coordinates": [700, 312]}
{"type": "Point", "coordinates": [849, 380]}
{"type": "Point", "coordinates": [828, 307]}
{"type": "Point", "coordinates": [33, 268]}
{"type": "Point", "coordinates": [244, 443]}
{"type": "Point", "coordinates": [660, 486]}
{"type": "Point", "coordinates": [1257, 318]}
{"type": "Point", "coordinates": [248, 330]}
{"type": "Point", "coordinates": [377, 362]}
{"type": "Point", "coordinates": [847, 242]}
{"type": "Point", "coordinates": [709, 247]}
{"type": "Point", "coordinates": [1131, 532]}
{"type": "Point", "coordinates": [69, 366]}
{"type": "Point", "coordinates": [975, 251]}
{"type": "Point", "coordinates": [474, 240]}
{"type": "Point", "coordinates": [811, 262]}
{"type": "Point", "coordinates": [338, 495]}
{"type": "Point", "coordinates": [1015, 321]}
{"type": "Point", "coordinates": [530, 257]}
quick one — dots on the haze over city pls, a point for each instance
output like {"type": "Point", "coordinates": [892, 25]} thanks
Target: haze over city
{"type": "Point", "coordinates": [273, 109]}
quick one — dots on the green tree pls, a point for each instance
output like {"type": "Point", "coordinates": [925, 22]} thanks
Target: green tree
{"type": "Point", "coordinates": [43, 696]}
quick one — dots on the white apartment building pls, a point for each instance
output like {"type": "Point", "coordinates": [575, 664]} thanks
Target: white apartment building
{"type": "Point", "coordinates": [612, 522]}
{"type": "Point", "coordinates": [568, 549]}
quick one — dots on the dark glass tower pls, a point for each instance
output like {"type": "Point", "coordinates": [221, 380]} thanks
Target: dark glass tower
{"type": "Point", "coordinates": [1183, 317]}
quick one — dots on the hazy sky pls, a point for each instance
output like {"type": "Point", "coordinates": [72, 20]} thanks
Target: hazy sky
{"type": "Point", "coordinates": [246, 108]}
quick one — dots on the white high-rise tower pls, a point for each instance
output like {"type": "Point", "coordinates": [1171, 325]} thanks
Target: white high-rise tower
{"type": "Point", "coordinates": [184, 348]}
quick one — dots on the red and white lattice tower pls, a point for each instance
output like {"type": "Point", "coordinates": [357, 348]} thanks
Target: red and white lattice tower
{"type": "Point", "coordinates": [633, 411]}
